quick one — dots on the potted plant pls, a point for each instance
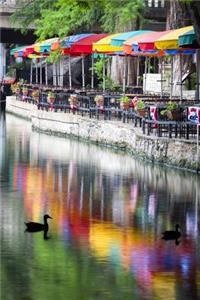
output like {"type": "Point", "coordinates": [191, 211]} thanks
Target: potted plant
{"type": "Point", "coordinates": [99, 99]}
{"type": "Point", "coordinates": [25, 91]}
{"type": "Point", "coordinates": [36, 95]}
{"type": "Point", "coordinates": [124, 102]}
{"type": "Point", "coordinates": [73, 101]}
{"type": "Point", "coordinates": [172, 111]}
{"type": "Point", "coordinates": [51, 97]}
{"type": "Point", "coordinates": [15, 87]}
{"type": "Point", "coordinates": [140, 108]}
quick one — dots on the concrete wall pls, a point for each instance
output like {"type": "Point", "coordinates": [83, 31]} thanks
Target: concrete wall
{"type": "Point", "coordinates": [179, 153]}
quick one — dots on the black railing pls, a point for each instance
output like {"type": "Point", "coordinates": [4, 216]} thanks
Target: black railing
{"type": "Point", "coordinates": [111, 111]}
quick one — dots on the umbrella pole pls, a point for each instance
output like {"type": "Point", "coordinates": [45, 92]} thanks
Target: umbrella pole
{"type": "Point", "coordinates": [138, 70]}
{"type": "Point", "coordinates": [104, 76]}
{"type": "Point", "coordinates": [145, 74]}
{"type": "Point", "coordinates": [46, 74]}
{"type": "Point", "coordinates": [36, 72]}
{"type": "Point", "coordinates": [92, 74]}
{"type": "Point", "coordinates": [171, 83]}
{"type": "Point", "coordinates": [198, 73]}
{"type": "Point", "coordinates": [161, 76]}
{"type": "Point", "coordinates": [70, 73]}
{"type": "Point", "coordinates": [181, 88]}
{"type": "Point", "coordinates": [124, 75]}
{"type": "Point", "coordinates": [83, 72]}
{"type": "Point", "coordinates": [41, 71]}
{"type": "Point", "coordinates": [54, 74]}
{"type": "Point", "coordinates": [31, 73]}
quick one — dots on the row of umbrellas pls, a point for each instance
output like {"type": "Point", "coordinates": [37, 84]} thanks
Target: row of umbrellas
{"type": "Point", "coordinates": [134, 43]}
{"type": "Point", "coordinates": [140, 42]}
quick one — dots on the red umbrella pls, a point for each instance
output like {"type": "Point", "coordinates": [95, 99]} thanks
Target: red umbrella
{"type": "Point", "coordinates": [148, 42]}
{"type": "Point", "coordinates": [81, 47]}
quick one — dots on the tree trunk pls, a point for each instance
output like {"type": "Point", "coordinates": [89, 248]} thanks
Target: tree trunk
{"type": "Point", "coordinates": [178, 15]}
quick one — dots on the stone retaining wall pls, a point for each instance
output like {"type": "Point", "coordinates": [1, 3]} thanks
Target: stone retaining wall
{"type": "Point", "coordinates": [176, 152]}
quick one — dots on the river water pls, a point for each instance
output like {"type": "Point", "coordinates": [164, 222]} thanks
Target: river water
{"type": "Point", "coordinates": [108, 209]}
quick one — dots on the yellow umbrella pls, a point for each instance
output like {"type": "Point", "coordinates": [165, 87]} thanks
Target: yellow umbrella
{"type": "Point", "coordinates": [170, 39]}
{"type": "Point", "coordinates": [104, 45]}
{"type": "Point", "coordinates": [44, 46]}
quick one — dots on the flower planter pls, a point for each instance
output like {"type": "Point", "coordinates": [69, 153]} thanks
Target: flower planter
{"type": "Point", "coordinates": [50, 100]}
{"type": "Point", "coordinates": [124, 105]}
{"type": "Point", "coordinates": [25, 92]}
{"type": "Point", "coordinates": [99, 100]}
{"type": "Point", "coordinates": [174, 115]}
{"type": "Point", "coordinates": [36, 98]}
{"type": "Point", "coordinates": [73, 101]}
{"type": "Point", "coordinates": [141, 112]}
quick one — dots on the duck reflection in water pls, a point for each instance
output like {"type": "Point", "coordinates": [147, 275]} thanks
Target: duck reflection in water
{"type": "Point", "coordinates": [172, 235]}
{"type": "Point", "coordinates": [36, 227]}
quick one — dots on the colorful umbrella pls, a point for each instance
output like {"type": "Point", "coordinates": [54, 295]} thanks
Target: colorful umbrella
{"type": "Point", "coordinates": [18, 51]}
{"type": "Point", "coordinates": [148, 42]}
{"type": "Point", "coordinates": [84, 45]}
{"type": "Point", "coordinates": [120, 39]}
{"type": "Point", "coordinates": [45, 46]}
{"type": "Point", "coordinates": [68, 42]}
{"type": "Point", "coordinates": [131, 45]}
{"type": "Point", "coordinates": [170, 39]}
{"type": "Point", "coordinates": [188, 39]}
{"type": "Point", "coordinates": [104, 45]}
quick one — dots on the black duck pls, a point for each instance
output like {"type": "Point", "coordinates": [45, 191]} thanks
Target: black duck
{"type": "Point", "coordinates": [34, 227]}
{"type": "Point", "coordinates": [172, 234]}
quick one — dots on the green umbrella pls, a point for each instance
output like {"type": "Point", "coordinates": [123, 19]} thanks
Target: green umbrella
{"type": "Point", "coordinates": [188, 39]}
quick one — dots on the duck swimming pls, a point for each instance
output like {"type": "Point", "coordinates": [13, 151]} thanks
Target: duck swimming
{"type": "Point", "coordinates": [34, 227]}
{"type": "Point", "coordinates": [172, 234]}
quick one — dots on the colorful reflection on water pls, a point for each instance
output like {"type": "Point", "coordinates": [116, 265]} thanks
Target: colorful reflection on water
{"type": "Point", "coordinates": [108, 211]}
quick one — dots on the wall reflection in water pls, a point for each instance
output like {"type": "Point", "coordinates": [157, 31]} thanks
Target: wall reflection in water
{"type": "Point", "coordinates": [108, 210]}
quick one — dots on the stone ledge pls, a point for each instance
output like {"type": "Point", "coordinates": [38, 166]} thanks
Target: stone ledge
{"type": "Point", "coordinates": [178, 153]}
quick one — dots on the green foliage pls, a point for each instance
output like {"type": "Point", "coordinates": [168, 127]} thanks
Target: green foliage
{"type": "Point", "coordinates": [64, 17]}
{"type": "Point", "coordinates": [117, 16]}
{"type": "Point", "coordinates": [171, 106]}
{"type": "Point", "coordinates": [124, 99]}
{"type": "Point", "coordinates": [98, 68]}
{"type": "Point", "coordinates": [29, 11]}
{"type": "Point", "coordinates": [54, 56]}
{"type": "Point", "coordinates": [140, 104]}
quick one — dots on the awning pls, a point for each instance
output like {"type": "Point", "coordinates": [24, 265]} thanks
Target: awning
{"type": "Point", "coordinates": [170, 39]}
{"type": "Point", "coordinates": [120, 39]}
{"type": "Point", "coordinates": [104, 45]}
